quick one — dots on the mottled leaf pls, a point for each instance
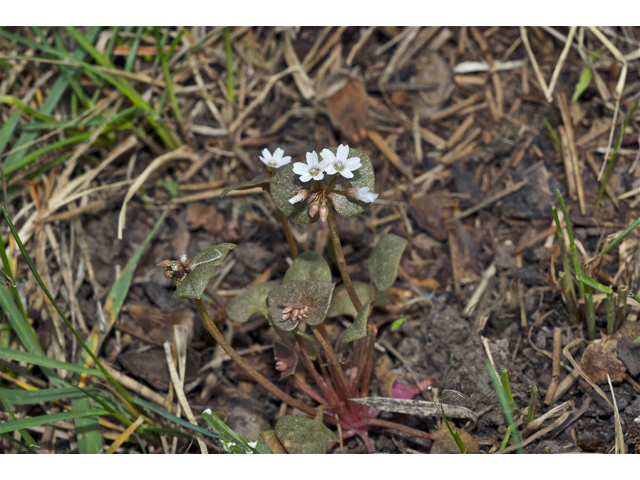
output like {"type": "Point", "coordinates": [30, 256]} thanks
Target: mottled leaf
{"type": "Point", "coordinates": [262, 179]}
{"type": "Point", "coordinates": [314, 294]}
{"type": "Point", "coordinates": [363, 177]}
{"type": "Point", "coordinates": [283, 186]}
{"type": "Point", "coordinates": [203, 266]}
{"type": "Point", "coordinates": [309, 266]}
{"type": "Point", "coordinates": [299, 434]}
{"type": "Point", "coordinates": [358, 329]}
{"type": "Point", "coordinates": [385, 260]}
{"type": "Point", "coordinates": [341, 304]}
{"type": "Point", "coordinates": [254, 300]}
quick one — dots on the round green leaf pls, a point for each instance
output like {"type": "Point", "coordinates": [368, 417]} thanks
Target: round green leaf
{"type": "Point", "coordinates": [363, 177]}
{"type": "Point", "coordinates": [254, 300]}
{"type": "Point", "coordinates": [385, 260]}
{"type": "Point", "coordinates": [315, 294]}
{"type": "Point", "coordinates": [203, 266]}
{"type": "Point", "coordinates": [283, 186]}
{"type": "Point", "coordinates": [309, 266]}
{"type": "Point", "coordinates": [341, 304]}
{"type": "Point", "coordinates": [299, 434]}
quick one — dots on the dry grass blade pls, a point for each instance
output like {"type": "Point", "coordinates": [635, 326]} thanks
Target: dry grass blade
{"type": "Point", "coordinates": [177, 384]}
{"type": "Point", "coordinates": [417, 407]}
{"type": "Point", "coordinates": [125, 435]}
{"type": "Point", "coordinates": [534, 63]}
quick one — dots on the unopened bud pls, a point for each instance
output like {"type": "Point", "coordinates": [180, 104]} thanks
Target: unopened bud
{"type": "Point", "coordinates": [313, 209]}
{"type": "Point", "coordinates": [324, 213]}
{"type": "Point", "coordinates": [168, 274]}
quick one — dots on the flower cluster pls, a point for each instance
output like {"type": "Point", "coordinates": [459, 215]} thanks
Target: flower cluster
{"type": "Point", "coordinates": [177, 269]}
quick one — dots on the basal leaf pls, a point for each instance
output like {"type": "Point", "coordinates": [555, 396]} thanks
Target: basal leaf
{"type": "Point", "coordinates": [341, 304]}
{"type": "Point", "coordinates": [385, 260]}
{"type": "Point", "coordinates": [309, 266]}
{"type": "Point", "coordinates": [203, 266]}
{"type": "Point", "coordinates": [358, 329]}
{"type": "Point", "coordinates": [254, 300]}
{"type": "Point", "coordinates": [299, 434]}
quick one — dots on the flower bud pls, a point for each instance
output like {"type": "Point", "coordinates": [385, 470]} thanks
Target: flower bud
{"type": "Point", "coordinates": [313, 209]}
{"type": "Point", "coordinates": [324, 212]}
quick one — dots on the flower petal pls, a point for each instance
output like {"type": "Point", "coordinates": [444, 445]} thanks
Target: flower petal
{"type": "Point", "coordinates": [278, 153]}
{"type": "Point", "coordinates": [346, 173]}
{"type": "Point", "coordinates": [328, 156]}
{"type": "Point", "coordinates": [342, 152]}
{"type": "Point", "coordinates": [301, 169]}
{"type": "Point", "coordinates": [305, 177]}
{"type": "Point", "coordinates": [312, 159]}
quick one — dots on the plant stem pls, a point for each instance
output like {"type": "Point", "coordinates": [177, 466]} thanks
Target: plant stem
{"type": "Point", "coordinates": [344, 382]}
{"type": "Point", "coordinates": [287, 233]}
{"type": "Point", "coordinates": [368, 363]}
{"type": "Point", "coordinates": [342, 263]}
{"type": "Point", "coordinates": [328, 392]}
{"type": "Point", "coordinates": [376, 422]}
{"type": "Point", "coordinates": [242, 363]}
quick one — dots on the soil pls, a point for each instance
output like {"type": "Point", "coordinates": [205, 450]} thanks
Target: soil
{"type": "Point", "coordinates": [461, 205]}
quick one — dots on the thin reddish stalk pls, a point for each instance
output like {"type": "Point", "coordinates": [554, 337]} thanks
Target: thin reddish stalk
{"type": "Point", "coordinates": [343, 382]}
{"type": "Point", "coordinates": [308, 389]}
{"type": "Point", "coordinates": [376, 422]}
{"type": "Point", "coordinates": [287, 233]}
{"type": "Point", "coordinates": [368, 363]}
{"type": "Point", "coordinates": [325, 387]}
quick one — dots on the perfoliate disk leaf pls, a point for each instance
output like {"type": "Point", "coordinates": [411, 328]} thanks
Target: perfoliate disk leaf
{"type": "Point", "coordinates": [283, 187]}
{"type": "Point", "coordinates": [341, 304]}
{"type": "Point", "coordinates": [312, 296]}
{"type": "Point", "coordinates": [254, 300]}
{"type": "Point", "coordinates": [299, 434]}
{"type": "Point", "coordinates": [358, 329]}
{"type": "Point", "coordinates": [262, 179]}
{"type": "Point", "coordinates": [362, 177]}
{"type": "Point", "coordinates": [203, 266]}
{"type": "Point", "coordinates": [385, 260]}
{"type": "Point", "coordinates": [309, 266]}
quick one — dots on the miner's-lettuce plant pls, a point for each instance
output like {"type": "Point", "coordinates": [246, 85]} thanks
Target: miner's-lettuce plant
{"type": "Point", "coordinates": [330, 371]}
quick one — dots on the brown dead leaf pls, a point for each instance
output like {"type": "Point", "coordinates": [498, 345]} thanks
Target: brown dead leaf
{"type": "Point", "coordinates": [151, 366]}
{"type": "Point", "coordinates": [431, 68]}
{"type": "Point", "coordinates": [347, 109]}
{"type": "Point", "coordinates": [443, 441]}
{"type": "Point", "coordinates": [432, 213]}
{"type": "Point", "coordinates": [201, 215]}
{"type": "Point", "coordinates": [600, 359]}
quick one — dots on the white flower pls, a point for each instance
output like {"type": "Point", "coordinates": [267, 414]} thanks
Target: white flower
{"type": "Point", "coordinates": [301, 195]}
{"type": "Point", "coordinates": [276, 160]}
{"type": "Point", "coordinates": [312, 169]}
{"type": "Point", "coordinates": [364, 195]}
{"type": "Point", "coordinates": [339, 163]}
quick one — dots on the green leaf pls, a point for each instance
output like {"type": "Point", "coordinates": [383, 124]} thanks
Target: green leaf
{"type": "Point", "coordinates": [26, 436]}
{"type": "Point", "coordinates": [261, 179]}
{"type": "Point", "coordinates": [46, 419]}
{"type": "Point", "coordinates": [43, 361]}
{"type": "Point", "coordinates": [363, 177]}
{"type": "Point", "coordinates": [314, 294]}
{"type": "Point", "coordinates": [341, 304]}
{"type": "Point", "coordinates": [31, 397]}
{"type": "Point", "coordinates": [581, 277]}
{"type": "Point", "coordinates": [299, 434]}
{"type": "Point", "coordinates": [231, 440]}
{"type": "Point", "coordinates": [358, 329]}
{"type": "Point", "coordinates": [254, 300]}
{"type": "Point", "coordinates": [586, 75]}
{"type": "Point", "coordinates": [398, 323]}
{"type": "Point", "coordinates": [203, 266]}
{"type": "Point", "coordinates": [283, 184]}
{"type": "Point", "coordinates": [637, 340]}
{"type": "Point", "coordinates": [88, 431]}
{"type": "Point", "coordinates": [309, 266]}
{"type": "Point", "coordinates": [385, 260]}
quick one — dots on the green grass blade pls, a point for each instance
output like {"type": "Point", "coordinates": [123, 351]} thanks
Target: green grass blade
{"type": "Point", "coordinates": [87, 429]}
{"type": "Point", "coordinates": [504, 403]}
{"type": "Point", "coordinates": [32, 267]}
{"type": "Point", "coordinates": [229, 53]}
{"type": "Point", "coordinates": [131, 58]}
{"type": "Point", "coordinates": [581, 277]}
{"type": "Point", "coordinates": [11, 100]}
{"type": "Point", "coordinates": [504, 375]}
{"type": "Point", "coordinates": [532, 403]}
{"type": "Point", "coordinates": [620, 237]}
{"type": "Point", "coordinates": [31, 397]}
{"type": "Point", "coordinates": [55, 94]}
{"type": "Point", "coordinates": [47, 419]}
{"type": "Point", "coordinates": [614, 155]}
{"type": "Point", "coordinates": [18, 442]}
{"type": "Point", "coordinates": [41, 360]}
{"type": "Point", "coordinates": [554, 136]}
{"type": "Point", "coordinates": [454, 433]}
{"type": "Point", "coordinates": [23, 433]}
{"type": "Point", "coordinates": [172, 418]}
{"type": "Point", "coordinates": [8, 128]}
{"type": "Point", "coordinates": [583, 83]}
